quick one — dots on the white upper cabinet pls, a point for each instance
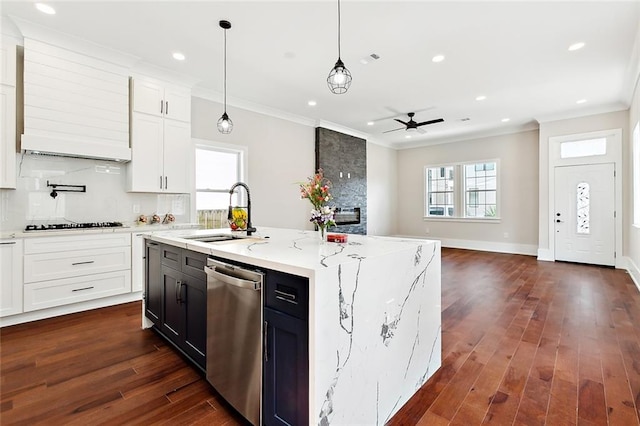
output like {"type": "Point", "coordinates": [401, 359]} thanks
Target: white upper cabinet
{"type": "Point", "coordinates": [74, 104]}
{"type": "Point", "coordinates": [166, 101]}
{"type": "Point", "coordinates": [8, 116]}
{"type": "Point", "coordinates": [160, 138]}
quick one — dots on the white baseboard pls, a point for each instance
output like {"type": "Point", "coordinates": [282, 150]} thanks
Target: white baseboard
{"type": "Point", "coordinates": [634, 271]}
{"type": "Point", "coordinates": [545, 255]}
{"type": "Point", "coordinates": [70, 309]}
{"type": "Point", "coordinates": [492, 246]}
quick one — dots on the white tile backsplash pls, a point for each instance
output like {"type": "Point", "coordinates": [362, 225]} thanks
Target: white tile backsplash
{"type": "Point", "coordinates": [106, 198]}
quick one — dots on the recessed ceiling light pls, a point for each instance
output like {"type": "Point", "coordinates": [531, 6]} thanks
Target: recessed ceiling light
{"type": "Point", "coordinates": [178, 56]}
{"type": "Point", "coordinates": [408, 136]}
{"type": "Point", "coordinates": [481, 98]}
{"type": "Point", "coordinates": [312, 103]}
{"type": "Point", "coordinates": [370, 123]}
{"type": "Point", "coordinates": [45, 8]}
{"type": "Point", "coordinates": [576, 46]}
{"type": "Point", "coordinates": [504, 120]}
{"type": "Point", "coordinates": [438, 58]}
{"type": "Point", "coordinates": [581, 101]}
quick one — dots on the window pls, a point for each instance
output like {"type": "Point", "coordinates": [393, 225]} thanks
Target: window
{"type": "Point", "coordinates": [481, 188]}
{"type": "Point", "coordinates": [440, 191]}
{"type": "Point", "coordinates": [584, 148]}
{"type": "Point", "coordinates": [216, 170]}
{"type": "Point", "coordinates": [466, 190]}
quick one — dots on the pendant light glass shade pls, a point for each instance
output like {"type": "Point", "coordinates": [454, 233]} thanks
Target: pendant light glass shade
{"type": "Point", "coordinates": [339, 78]}
{"type": "Point", "coordinates": [225, 125]}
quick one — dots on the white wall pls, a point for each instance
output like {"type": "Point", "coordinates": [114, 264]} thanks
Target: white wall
{"type": "Point", "coordinates": [518, 156]}
{"type": "Point", "coordinates": [382, 194]}
{"type": "Point", "coordinates": [592, 123]}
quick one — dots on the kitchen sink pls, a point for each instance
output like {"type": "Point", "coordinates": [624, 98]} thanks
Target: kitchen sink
{"type": "Point", "coordinates": [216, 238]}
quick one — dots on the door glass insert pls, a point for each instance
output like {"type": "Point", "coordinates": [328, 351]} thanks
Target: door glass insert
{"type": "Point", "coordinates": [585, 148]}
{"type": "Point", "coordinates": [582, 208]}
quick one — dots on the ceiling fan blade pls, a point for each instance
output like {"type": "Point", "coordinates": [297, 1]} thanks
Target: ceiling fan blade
{"type": "Point", "coordinates": [400, 121]}
{"type": "Point", "coordinates": [439, 120]}
{"type": "Point", "coordinates": [401, 128]}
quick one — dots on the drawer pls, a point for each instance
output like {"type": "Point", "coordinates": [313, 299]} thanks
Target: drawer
{"type": "Point", "coordinates": [71, 290]}
{"type": "Point", "coordinates": [76, 242]}
{"type": "Point", "coordinates": [67, 264]}
{"type": "Point", "coordinates": [193, 264]}
{"type": "Point", "coordinates": [287, 293]}
{"type": "Point", "coordinates": [171, 256]}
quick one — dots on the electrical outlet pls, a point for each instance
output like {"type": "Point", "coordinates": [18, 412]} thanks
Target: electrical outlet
{"type": "Point", "coordinates": [506, 235]}
{"type": "Point", "coordinates": [136, 208]}
{"type": "Point", "coordinates": [427, 230]}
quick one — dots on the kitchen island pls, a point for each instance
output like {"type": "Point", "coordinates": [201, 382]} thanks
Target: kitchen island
{"type": "Point", "coordinates": [374, 323]}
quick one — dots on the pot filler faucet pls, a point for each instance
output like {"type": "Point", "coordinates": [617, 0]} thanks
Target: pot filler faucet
{"type": "Point", "coordinates": [250, 229]}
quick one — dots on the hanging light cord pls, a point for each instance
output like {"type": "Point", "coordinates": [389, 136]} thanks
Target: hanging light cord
{"type": "Point", "coordinates": [338, 29]}
{"type": "Point", "coordinates": [225, 70]}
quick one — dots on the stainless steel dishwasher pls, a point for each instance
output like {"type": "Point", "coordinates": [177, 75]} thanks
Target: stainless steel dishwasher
{"type": "Point", "coordinates": [234, 336]}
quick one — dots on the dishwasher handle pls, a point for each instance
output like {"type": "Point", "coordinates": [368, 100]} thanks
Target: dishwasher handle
{"type": "Point", "coordinates": [231, 280]}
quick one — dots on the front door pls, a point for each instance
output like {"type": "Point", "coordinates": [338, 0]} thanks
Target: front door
{"type": "Point", "coordinates": [585, 213]}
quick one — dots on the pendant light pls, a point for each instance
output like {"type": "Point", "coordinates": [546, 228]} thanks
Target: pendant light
{"type": "Point", "coordinates": [225, 125]}
{"type": "Point", "coordinates": [339, 78]}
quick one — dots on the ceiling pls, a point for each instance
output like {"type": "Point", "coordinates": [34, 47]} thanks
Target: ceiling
{"type": "Point", "coordinates": [280, 52]}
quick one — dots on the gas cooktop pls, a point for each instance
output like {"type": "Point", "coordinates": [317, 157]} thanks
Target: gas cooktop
{"type": "Point", "coordinates": [63, 226]}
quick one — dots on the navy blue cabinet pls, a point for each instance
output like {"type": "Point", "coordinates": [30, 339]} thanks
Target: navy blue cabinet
{"type": "Point", "coordinates": [285, 399]}
{"type": "Point", "coordinates": [176, 298]}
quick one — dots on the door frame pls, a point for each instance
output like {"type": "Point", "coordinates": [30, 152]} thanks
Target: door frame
{"type": "Point", "coordinates": [613, 155]}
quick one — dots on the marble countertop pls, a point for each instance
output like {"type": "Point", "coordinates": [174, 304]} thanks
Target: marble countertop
{"type": "Point", "coordinates": [142, 229]}
{"type": "Point", "coordinates": [288, 250]}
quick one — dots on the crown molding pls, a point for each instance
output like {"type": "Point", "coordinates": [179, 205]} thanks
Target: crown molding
{"type": "Point", "coordinates": [470, 136]}
{"type": "Point", "coordinates": [583, 112]}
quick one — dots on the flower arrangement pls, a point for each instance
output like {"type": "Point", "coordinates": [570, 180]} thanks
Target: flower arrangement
{"type": "Point", "coordinates": [316, 190]}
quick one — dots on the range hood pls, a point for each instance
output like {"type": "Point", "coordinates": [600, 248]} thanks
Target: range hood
{"type": "Point", "coordinates": [49, 145]}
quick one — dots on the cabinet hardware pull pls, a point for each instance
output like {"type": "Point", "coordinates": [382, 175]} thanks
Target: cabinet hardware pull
{"type": "Point", "coordinates": [166, 108]}
{"type": "Point", "coordinates": [160, 182]}
{"type": "Point", "coordinates": [8, 242]}
{"type": "Point", "coordinates": [83, 263]}
{"type": "Point", "coordinates": [286, 297]}
{"type": "Point", "coordinates": [166, 182]}
{"type": "Point", "coordinates": [265, 345]}
{"type": "Point", "coordinates": [161, 107]}
{"type": "Point", "coordinates": [178, 288]}
{"type": "Point", "coordinates": [81, 289]}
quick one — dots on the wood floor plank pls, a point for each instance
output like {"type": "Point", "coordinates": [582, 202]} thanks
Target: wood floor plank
{"type": "Point", "coordinates": [523, 342]}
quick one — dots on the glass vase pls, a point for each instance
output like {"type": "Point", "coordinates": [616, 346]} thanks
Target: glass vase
{"type": "Point", "coordinates": [322, 234]}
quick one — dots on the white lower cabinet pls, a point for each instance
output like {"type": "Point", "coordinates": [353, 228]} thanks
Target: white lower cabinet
{"type": "Point", "coordinates": [10, 277]}
{"type": "Point", "coordinates": [47, 294]}
{"type": "Point", "coordinates": [69, 269]}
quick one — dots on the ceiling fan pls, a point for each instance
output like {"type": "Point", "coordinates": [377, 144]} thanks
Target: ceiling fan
{"type": "Point", "coordinates": [413, 125]}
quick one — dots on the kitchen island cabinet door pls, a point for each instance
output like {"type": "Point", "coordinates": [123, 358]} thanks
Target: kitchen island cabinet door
{"type": "Point", "coordinates": [172, 312]}
{"type": "Point", "coordinates": [285, 399]}
{"type": "Point", "coordinates": [154, 289]}
{"type": "Point", "coordinates": [195, 319]}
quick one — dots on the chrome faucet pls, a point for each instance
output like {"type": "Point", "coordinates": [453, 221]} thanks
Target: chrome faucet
{"type": "Point", "coordinates": [250, 228]}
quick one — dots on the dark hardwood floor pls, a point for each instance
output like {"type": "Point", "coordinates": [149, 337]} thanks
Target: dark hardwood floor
{"type": "Point", "coordinates": [524, 342]}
